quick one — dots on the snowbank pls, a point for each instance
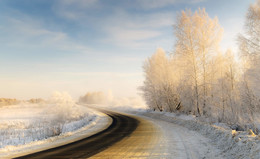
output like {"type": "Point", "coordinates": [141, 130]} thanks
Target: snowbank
{"type": "Point", "coordinates": [233, 144]}
{"type": "Point", "coordinates": [25, 124]}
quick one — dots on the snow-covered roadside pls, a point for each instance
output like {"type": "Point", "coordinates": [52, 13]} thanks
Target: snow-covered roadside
{"type": "Point", "coordinates": [31, 127]}
{"type": "Point", "coordinates": [172, 140]}
{"type": "Point", "coordinates": [232, 144]}
{"type": "Point", "coordinates": [101, 122]}
{"type": "Point", "coordinates": [22, 124]}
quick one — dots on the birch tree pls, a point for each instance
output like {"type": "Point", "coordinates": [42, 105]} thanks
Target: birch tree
{"type": "Point", "coordinates": [197, 37]}
{"type": "Point", "coordinates": [158, 88]}
{"type": "Point", "coordinates": [249, 44]}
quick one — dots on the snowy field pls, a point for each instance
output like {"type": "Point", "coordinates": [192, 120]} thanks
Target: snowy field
{"type": "Point", "coordinates": [26, 123]}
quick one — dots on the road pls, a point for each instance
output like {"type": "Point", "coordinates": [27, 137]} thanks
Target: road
{"type": "Point", "coordinates": [136, 137]}
{"type": "Point", "coordinates": [121, 127]}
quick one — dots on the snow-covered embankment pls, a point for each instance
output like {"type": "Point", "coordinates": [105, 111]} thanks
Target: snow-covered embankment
{"type": "Point", "coordinates": [28, 127]}
{"type": "Point", "coordinates": [232, 144]}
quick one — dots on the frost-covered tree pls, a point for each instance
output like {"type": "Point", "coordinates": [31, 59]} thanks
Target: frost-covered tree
{"type": "Point", "coordinates": [200, 79]}
{"type": "Point", "coordinates": [158, 88]}
{"type": "Point", "coordinates": [197, 38]}
{"type": "Point", "coordinates": [231, 83]}
{"type": "Point", "coordinates": [223, 86]}
{"type": "Point", "coordinates": [249, 44]}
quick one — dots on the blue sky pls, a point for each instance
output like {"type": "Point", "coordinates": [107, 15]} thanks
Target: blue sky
{"type": "Point", "coordinates": [93, 45]}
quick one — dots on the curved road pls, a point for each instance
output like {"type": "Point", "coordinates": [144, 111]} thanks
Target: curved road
{"type": "Point", "coordinates": [137, 137]}
{"type": "Point", "coordinates": [121, 127]}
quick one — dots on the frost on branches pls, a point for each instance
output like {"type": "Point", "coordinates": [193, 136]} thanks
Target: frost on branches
{"type": "Point", "coordinates": [198, 78]}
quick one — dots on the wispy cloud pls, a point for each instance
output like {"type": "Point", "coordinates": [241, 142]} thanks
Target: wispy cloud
{"type": "Point", "coordinates": [78, 3]}
{"type": "Point", "coordinates": [28, 32]}
{"type": "Point", "coordinates": [129, 37]}
{"type": "Point", "coordinates": [133, 30]}
{"type": "Point", "coordinates": [29, 29]}
{"type": "Point", "coordinates": [140, 20]}
{"type": "Point", "coordinates": [119, 27]}
{"type": "Point", "coordinates": [75, 9]}
{"type": "Point", "coordinates": [152, 4]}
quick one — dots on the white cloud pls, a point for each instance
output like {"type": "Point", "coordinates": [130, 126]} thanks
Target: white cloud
{"type": "Point", "coordinates": [74, 9]}
{"type": "Point", "coordinates": [120, 27]}
{"type": "Point", "coordinates": [121, 34]}
{"type": "Point", "coordinates": [129, 37]}
{"type": "Point", "coordinates": [30, 32]}
{"type": "Point", "coordinates": [30, 28]}
{"type": "Point", "coordinates": [78, 3]}
{"type": "Point", "coordinates": [134, 30]}
{"type": "Point", "coordinates": [137, 21]}
{"type": "Point", "coordinates": [151, 4]}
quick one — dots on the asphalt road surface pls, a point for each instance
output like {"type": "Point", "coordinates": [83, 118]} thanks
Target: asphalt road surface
{"type": "Point", "coordinates": [125, 137]}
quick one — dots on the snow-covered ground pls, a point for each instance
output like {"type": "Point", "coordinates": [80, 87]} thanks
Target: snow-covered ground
{"type": "Point", "coordinates": [196, 137]}
{"type": "Point", "coordinates": [30, 126]}
{"type": "Point", "coordinates": [203, 140]}
{"type": "Point", "coordinates": [187, 136]}
{"type": "Point", "coordinates": [27, 125]}
{"type": "Point", "coordinates": [177, 142]}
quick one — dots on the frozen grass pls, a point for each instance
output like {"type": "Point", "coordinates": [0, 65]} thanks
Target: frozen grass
{"type": "Point", "coordinates": [24, 123]}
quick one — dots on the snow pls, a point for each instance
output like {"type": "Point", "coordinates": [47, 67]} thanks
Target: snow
{"type": "Point", "coordinates": [27, 125]}
{"type": "Point", "coordinates": [188, 136]}
{"type": "Point", "coordinates": [179, 142]}
{"type": "Point", "coordinates": [204, 140]}
{"type": "Point", "coordinates": [182, 136]}
{"type": "Point", "coordinates": [99, 124]}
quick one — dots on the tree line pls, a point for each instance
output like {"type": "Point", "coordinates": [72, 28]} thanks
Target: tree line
{"type": "Point", "coordinates": [198, 78]}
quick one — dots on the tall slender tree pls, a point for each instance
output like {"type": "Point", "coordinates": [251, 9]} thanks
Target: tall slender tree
{"type": "Point", "coordinates": [249, 44]}
{"type": "Point", "coordinates": [197, 37]}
